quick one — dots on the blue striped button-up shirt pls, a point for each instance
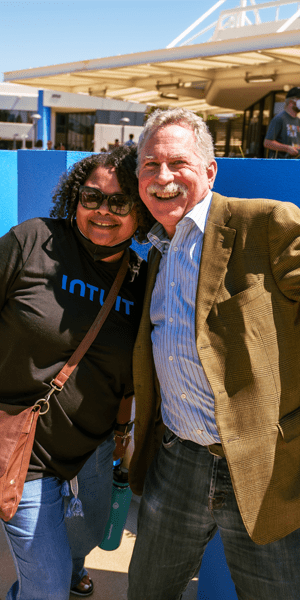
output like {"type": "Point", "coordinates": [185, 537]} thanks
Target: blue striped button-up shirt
{"type": "Point", "coordinates": [187, 398]}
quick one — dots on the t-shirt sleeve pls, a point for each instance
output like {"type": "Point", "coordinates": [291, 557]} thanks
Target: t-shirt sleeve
{"type": "Point", "coordinates": [274, 130]}
{"type": "Point", "coordinates": [10, 263]}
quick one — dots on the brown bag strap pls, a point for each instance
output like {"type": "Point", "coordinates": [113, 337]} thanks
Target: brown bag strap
{"type": "Point", "coordinates": [124, 412]}
{"type": "Point", "coordinates": [58, 382]}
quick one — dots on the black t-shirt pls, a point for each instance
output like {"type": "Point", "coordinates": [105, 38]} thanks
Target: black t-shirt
{"type": "Point", "coordinates": [51, 291]}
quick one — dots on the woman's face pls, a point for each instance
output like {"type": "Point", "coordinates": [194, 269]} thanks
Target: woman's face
{"type": "Point", "coordinates": [101, 226]}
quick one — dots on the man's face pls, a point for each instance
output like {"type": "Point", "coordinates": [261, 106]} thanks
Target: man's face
{"type": "Point", "coordinates": [171, 177]}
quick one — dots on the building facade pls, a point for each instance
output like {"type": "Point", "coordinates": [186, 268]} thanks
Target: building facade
{"type": "Point", "coordinates": [29, 115]}
{"type": "Point", "coordinates": [241, 135]}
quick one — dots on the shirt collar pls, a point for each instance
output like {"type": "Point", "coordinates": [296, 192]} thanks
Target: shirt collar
{"type": "Point", "coordinates": [199, 213]}
{"type": "Point", "coordinates": [158, 237]}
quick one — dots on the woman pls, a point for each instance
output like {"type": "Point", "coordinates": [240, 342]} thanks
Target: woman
{"type": "Point", "coordinates": [55, 274]}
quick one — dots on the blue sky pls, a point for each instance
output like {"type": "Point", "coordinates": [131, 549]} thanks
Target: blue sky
{"type": "Point", "coordinates": [41, 33]}
{"type": "Point", "coordinates": [38, 33]}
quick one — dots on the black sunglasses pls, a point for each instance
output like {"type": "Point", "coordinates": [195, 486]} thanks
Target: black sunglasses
{"type": "Point", "coordinates": [92, 198]}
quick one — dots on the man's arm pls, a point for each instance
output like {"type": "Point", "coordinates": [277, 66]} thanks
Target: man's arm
{"type": "Point", "coordinates": [284, 245]}
{"type": "Point", "coordinates": [277, 146]}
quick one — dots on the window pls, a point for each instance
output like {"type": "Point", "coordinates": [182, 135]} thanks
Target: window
{"type": "Point", "coordinates": [256, 121]}
{"type": "Point", "coordinates": [16, 116]}
{"type": "Point", "coordinates": [75, 131]}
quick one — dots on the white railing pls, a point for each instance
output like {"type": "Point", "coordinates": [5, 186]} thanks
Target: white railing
{"type": "Point", "coordinates": [241, 16]}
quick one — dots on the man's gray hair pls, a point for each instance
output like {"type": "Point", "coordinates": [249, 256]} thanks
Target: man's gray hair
{"type": "Point", "coordinates": [180, 116]}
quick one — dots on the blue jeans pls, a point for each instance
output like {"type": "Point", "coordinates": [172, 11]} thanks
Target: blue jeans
{"type": "Point", "coordinates": [95, 488]}
{"type": "Point", "coordinates": [188, 495]}
{"type": "Point", "coordinates": [45, 546]}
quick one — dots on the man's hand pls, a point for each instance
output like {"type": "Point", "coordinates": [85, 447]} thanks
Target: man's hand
{"type": "Point", "coordinates": [293, 150]}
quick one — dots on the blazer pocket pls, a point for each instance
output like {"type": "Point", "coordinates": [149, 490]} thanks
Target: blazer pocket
{"type": "Point", "coordinates": [289, 426]}
{"type": "Point", "coordinates": [243, 298]}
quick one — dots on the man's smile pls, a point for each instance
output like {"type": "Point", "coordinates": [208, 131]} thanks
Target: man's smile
{"type": "Point", "coordinates": [167, 192]}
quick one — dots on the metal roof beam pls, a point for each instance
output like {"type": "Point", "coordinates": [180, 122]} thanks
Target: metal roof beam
{"type": "Point", "coordinates": [289, 22]}
{"type": "Point", "coordinates": [189, 29]}
{"type": "Point", "coordinates": [255, 7]}
{"type": "Point", "coordinates": [283, 57]}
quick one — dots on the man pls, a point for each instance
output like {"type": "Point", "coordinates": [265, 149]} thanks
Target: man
{"type": "Point", "coordinates": [130, 142]}
{"type": "Point", "coordinates": [222, 311]}
{"type": "Point", "coordinates": [283, 135]}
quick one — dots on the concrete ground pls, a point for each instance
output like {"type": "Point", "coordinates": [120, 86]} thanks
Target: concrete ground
{"type": "Point", "coordinates": [107, 569]}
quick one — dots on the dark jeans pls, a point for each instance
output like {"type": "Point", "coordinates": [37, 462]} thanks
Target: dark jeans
{"type": "Point", "coordinates": [188, 495]}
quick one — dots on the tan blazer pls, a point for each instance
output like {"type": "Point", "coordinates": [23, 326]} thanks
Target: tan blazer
{"type": "Point", "coordinates": [248, 340]}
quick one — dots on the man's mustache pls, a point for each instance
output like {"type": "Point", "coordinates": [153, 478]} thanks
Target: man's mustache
{"type": "Point", "coordinates": [169, 188]}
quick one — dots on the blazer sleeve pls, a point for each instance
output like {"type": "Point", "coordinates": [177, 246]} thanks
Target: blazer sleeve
{"type": "Point", "coordinates": [284, 244]}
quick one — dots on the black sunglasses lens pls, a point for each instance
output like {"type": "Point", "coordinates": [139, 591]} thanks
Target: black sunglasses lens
{"type": "Point", "coordinates": [89, 198]}
{"type": "Point", "coordinates": [120, 205]}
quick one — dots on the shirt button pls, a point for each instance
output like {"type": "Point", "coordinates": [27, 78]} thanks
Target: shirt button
{"type": "Point", "coordinates": [175, 248]}
{"type": "Point", "coordinates": [199, 431]}
{"type": "Point", "coordinates": [183, 396]}
{"type": "Point", "coordinates": [171, 319]}
{"type": "Point", "coordinates": [170, 357]}
{"type": "Point", "coordinates": [172, 283]}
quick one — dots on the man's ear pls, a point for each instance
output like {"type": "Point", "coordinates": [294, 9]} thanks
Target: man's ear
{"type": "Point", "coordinates": [211, 173]}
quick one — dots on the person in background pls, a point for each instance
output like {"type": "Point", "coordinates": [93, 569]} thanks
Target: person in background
{"type": "Point", "coordinates": [130, 142]}
{"type": "Point", "coordinates": [216, 376]}
{"type": "Point", "coordinates": [283, 135]}
{"type": "Point", "coordinates": [55, 274]}
{"type": "Point", "coordinates": [49, 145]}
{"type": "Point", "coordinates": [117, 143]}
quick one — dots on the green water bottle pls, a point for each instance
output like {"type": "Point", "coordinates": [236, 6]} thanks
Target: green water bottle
{"type": "Point", "coordinates": [120, 501]}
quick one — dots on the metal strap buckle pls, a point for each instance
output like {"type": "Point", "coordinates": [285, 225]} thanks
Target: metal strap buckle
{"type": "Point", "coordinates": [124, 428]}
{"type": "Point", "coordinates": [45, 401]}
{"type": "Point", "coordinates": [42, 402]}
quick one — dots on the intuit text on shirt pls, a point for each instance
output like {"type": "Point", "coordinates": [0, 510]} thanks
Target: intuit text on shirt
{"type": "Point", "coordinates": [92, 293]}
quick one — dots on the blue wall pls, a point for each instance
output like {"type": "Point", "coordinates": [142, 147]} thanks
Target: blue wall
{"type": "Point", "coordinates": [38, 175]}
{"type": "Point", "coordinates": [28, 178]}
{"type": "Point", "coordinates": [8, 190]}
{"type": "Point", "coordinates": [259, 178]}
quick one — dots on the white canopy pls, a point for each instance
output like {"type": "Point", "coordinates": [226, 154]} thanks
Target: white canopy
{"type": "Point", "coordinates": [223, 75]}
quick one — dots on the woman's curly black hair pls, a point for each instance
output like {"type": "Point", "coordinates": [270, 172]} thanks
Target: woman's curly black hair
{"type": "Point", "coordinates": [123, 160]}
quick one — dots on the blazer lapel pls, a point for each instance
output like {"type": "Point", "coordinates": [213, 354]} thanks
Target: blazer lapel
{"type": "Point", "coordinates": [153, 266]}
{"type": "Point", "coordinates": [145, 324]}
{"type": "Point", "coordinates": [217, 247]}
